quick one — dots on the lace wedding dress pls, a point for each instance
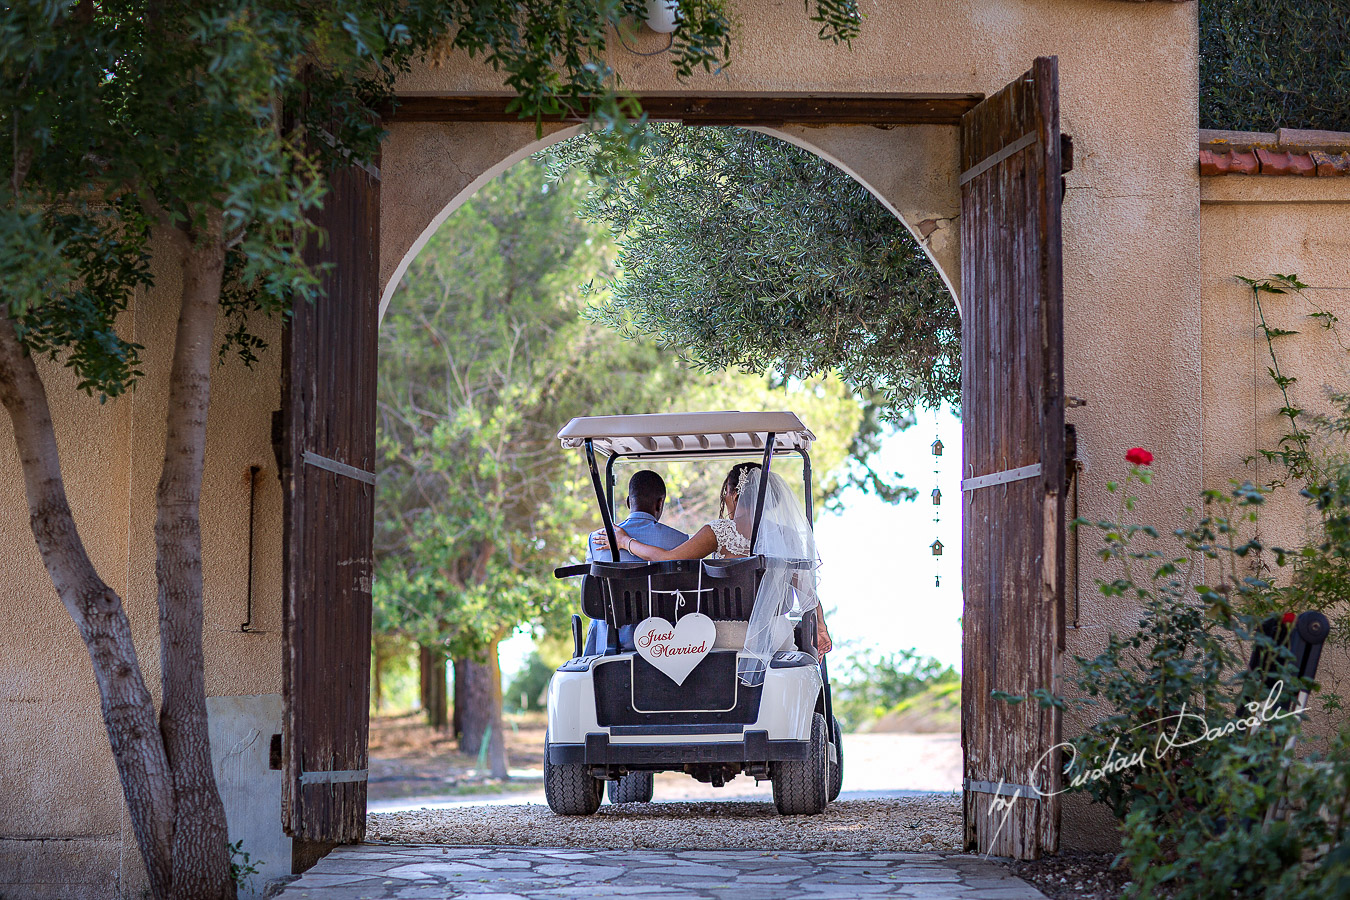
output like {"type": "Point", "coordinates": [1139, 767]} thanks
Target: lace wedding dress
{"type": "Point", "coordinates": [731, 544]}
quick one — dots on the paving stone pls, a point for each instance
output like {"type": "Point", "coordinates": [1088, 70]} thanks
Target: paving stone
{"type": "Point", "coordinates": [339, 879]}
{"type": "Point", "coordinates": [767, 879]}
{"type": "Point", "coordinates": [580, 872]}
{"type": "Point", "coordinates": [411, 872]}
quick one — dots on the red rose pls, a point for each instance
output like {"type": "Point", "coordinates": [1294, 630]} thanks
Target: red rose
{"type": "Point", "coordinates": [1138, 456]}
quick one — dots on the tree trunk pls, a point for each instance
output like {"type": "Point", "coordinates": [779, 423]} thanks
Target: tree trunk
{"type": "Point", "coordinates": [456, 719]}
{"type": "Point", "coordinates": [431, 667]}
{"type": "Point", "coordinates": [128, 710]}
{"type": "Point", "coordinates": [481, 712]}
{"type": "Point", "coordinates": [201, 860]}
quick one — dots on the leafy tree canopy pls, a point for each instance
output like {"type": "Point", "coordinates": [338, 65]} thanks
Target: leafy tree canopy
{"type": "Point", "coordinates": [484, 355]}
{"type": "Point", "coordinates": [221, 118]}
{"type": "Point", "coordinates": [742, 251]}
{"type": "Point", "coordinates": [1267, 65]}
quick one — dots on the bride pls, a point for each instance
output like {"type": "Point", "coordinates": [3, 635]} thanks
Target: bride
{"type": "Point", "coordinates": [785, 535]}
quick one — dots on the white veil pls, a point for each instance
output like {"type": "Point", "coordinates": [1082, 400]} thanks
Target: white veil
{"type": "Point", "coordinates": [787, 591]}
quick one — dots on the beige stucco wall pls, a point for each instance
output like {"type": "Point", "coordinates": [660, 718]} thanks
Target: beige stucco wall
{"type": "Point", "coordinates": [57, 777]}
{"type": "Point", "coordinates": [1128, 96]}
{"type": "Point", "coordinates": [1256, 226]}
{"type": "Point", "coordinates": [1133, 351]}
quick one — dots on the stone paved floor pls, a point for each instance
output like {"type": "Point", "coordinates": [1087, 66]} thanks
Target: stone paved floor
{"type": "Point", "coordinates": [423, 872]}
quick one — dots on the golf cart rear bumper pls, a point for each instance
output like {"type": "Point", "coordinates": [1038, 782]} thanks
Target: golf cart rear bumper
{"type": "Point", "coordinates": [754, 747]}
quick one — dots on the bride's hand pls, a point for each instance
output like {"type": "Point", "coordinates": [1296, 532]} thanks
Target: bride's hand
{"type": "Point", "coordinates": [600, 540]}
{"type": "Point", "coordinates": [823, 643]}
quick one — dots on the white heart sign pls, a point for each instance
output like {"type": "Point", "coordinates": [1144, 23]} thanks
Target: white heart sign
{"type": "Point", "coordinates": [675, 649]}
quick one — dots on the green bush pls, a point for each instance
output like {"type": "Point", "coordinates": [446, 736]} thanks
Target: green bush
{"type": "Point", "coordinates": [873, 685]}
{"type": "Point", "coordinates": [1266, 65]}
{"type": "Point", "coordinates": [1189, 750]}
{"type": "Point", "coordinates": [528, 686]}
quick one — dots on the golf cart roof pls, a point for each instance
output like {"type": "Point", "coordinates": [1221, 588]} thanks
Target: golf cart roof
{"type": "Point", "coordinates": [689, 433]}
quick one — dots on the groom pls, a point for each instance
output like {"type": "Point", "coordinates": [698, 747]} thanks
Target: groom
{"type": "Point", "coordinates": [646, 501]}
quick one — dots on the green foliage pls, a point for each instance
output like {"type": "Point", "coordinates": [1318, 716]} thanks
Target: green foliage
{"type": "Point", "coordinates": [241, 864]}
{"type": "Point", "coordinates": [483, 354]}
{"type": "Point", "coordinates": [1266, 65]}
{"type": "Point", "coordinates": [1190, 749]}
{"type": "Point", "coordinates": [223, 118]}
{"type": "Point", "coordinates": [744, 252]}
{"type": "Point", "coordinates": [1314, 459]}
{"type": "Point", "coordinates": [526, 691]}
{"type": "Point", "coordinates": [875, 684]}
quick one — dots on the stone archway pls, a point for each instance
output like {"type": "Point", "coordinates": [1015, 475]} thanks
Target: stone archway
{"type": "Point", "coordinates": [433, 167]}
{"type": "Point", "coordinates": [1012, 382]}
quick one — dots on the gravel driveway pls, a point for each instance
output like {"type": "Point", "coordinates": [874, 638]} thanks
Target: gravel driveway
{"type": "Point", "coordinates": [924, 822]}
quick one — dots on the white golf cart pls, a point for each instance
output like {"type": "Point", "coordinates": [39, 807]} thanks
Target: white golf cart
{"type": "Point", "coordinates": [615, 717]}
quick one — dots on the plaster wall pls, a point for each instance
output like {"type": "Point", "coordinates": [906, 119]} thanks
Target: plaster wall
{"type": "Point", "coordinates": [1131, 265]}
{"type": "Point", "coordinates": [1256, 226]}
{"type": "Point", "coordinates": [64, 832]}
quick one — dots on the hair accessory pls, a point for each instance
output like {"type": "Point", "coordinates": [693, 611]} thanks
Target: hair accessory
{"type": "Point", "coordinates": [745, 479]}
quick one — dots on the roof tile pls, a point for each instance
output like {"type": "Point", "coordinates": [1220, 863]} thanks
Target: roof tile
{"type": "Point", "coordinates": [1303, 154]}
{"type": "Point", "coordinates": [1212, 163]}
{"type": "Point", "coordinates": [1285, 163]}
{"type": "Point", "coordinates": [1331, 163]}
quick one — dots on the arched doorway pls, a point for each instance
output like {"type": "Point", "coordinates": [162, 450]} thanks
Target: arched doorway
{"type": "Point", "coordinates": [1004, 163]}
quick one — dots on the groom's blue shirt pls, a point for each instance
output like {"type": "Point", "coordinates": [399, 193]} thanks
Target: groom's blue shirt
{"type": "Point", "coordinates": [642, 527]}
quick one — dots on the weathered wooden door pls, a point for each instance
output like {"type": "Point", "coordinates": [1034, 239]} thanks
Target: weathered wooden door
{"type": "Point", "coordinates": [328, 461]}
{"type": "Point", "coordinates": [1012, 411]}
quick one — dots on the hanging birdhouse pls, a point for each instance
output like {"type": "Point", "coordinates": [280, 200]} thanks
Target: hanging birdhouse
{"type": "Point", "coordinates": [937, 447]}
{"type": "Point", "coordinates": [937, 548]}
{"type": "Point", "coordinates": [937, 497]}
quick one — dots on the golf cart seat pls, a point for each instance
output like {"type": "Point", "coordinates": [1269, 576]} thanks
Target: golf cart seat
{"type": "Point", "coordinates": [623, 594]}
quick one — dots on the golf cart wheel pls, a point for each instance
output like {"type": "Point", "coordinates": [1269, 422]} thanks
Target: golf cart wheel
{"type": "Point", "coordinates": [801, 787]}
{"type": "Point", "coordinates": [837, 765]}
{"type": "Point", "coordinates": [571, 790]}
{"type": "Point", "coordinates": [635, 787]}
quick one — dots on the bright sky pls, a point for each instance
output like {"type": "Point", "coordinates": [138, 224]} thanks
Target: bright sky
{"type": "Point", "coordinates": [877, 574]}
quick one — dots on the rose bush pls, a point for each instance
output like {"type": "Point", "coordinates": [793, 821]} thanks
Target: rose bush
{"type": "Point", "coordinates": [1214, 798]}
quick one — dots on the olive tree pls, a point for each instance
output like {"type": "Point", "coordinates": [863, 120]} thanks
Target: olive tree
{"type": "Point", "coordinates": [743, 251]}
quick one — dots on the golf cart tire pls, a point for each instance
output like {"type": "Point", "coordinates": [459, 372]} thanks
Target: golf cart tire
{"type": "Point", "coordinates": [635, 787]}
{"type": "Point", "coordinates": [571, 789]}
{"type": "Point", "coordinates": [801, 787]}
{"type": "Point", "coordinates": [837, 767]}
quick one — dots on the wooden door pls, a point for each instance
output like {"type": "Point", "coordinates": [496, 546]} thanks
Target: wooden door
{"type": "Point", "coordinates": [1012, 411]}
{"type": "Point", "coordinates": [328, 462]}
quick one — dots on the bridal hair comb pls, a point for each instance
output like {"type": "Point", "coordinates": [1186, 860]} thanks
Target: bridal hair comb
{"type": "Point", "coordinates": [745, 479]}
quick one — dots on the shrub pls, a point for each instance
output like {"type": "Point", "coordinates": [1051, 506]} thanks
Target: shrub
{"type": "Point", "coordinates": [1266, 65]}
{"type": "Point", "coordinates": [874, 684]}
{"type": "Point", "coordinates": [1194, 753]}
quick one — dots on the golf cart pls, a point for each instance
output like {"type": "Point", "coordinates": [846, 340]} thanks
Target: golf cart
{"type": "Point", "coordinates": [619, 712]}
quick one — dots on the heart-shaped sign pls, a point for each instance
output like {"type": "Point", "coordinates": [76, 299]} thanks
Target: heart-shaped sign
{"type": "Point", "coordinates": [675, 649]}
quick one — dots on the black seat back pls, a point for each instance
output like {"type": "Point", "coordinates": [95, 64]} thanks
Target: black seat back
{"type": "Point", "coordinates": [734, 583]}
{"type": "Point", "coordinates": [626, 599]}
{"type": "Point", "coordinates": [722, 589]}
